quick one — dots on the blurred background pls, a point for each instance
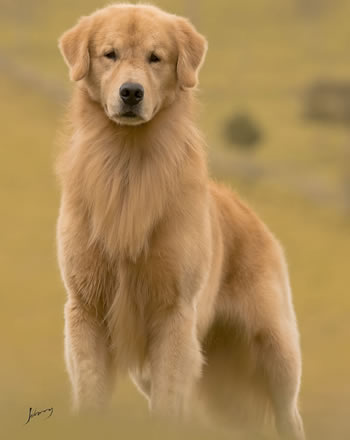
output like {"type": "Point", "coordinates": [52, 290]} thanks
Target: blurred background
{"type": "Point", "coordinates": [275, 93]}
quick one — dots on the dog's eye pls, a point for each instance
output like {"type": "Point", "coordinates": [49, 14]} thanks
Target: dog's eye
{"type": "Point", "coordinates": [153, 58]}
{"type": "Point", "coordinates": [111, 55]}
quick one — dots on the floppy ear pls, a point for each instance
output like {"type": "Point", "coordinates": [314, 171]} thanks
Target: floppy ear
{"type": "Point", "coordinates": [192, 49]}
{"type": "Point", "coordinates": [74, 47]}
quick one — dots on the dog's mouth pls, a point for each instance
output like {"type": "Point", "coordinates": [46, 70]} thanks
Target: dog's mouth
{"type": "Point", "coordinates": [126, 116]}
{"type": "Point", "coordinates": [129, 114]}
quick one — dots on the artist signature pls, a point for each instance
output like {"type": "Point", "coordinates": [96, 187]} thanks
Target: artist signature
{"type": "Point", "coordinates": [33, 412]}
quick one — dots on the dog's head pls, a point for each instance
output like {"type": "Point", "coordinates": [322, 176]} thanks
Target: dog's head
{"type": "Point", "coordinates": [133, 59]}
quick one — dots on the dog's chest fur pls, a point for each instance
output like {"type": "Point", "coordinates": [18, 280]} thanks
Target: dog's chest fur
{"type": "Point", "coordinates": [126, 186]}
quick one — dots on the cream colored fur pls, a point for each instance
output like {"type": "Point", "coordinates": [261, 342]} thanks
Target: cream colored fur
{"type": "Point", "coordinates": [169, 275]}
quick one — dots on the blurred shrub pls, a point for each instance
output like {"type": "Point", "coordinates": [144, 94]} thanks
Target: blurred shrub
{"type": "Point", "coordinates": [313, 8]}
{"type": "Point", "coordinates": [242, 131]}
{"type": "Point", "coordinates": [328, 101]}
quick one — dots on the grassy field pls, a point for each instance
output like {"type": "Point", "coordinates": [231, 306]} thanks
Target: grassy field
{"type": "Point", "coordinates": [262, 54]}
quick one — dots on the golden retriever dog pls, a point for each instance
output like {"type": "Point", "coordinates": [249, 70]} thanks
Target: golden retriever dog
{"type": "Point", "coordinates": [169, 276]}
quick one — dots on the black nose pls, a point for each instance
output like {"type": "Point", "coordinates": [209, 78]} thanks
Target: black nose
{"type": "Point", "coordinates": [131, 93]}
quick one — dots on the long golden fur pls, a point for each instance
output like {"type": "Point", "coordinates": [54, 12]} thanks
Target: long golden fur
{"type": "Point", "coordinates": [169, 275]}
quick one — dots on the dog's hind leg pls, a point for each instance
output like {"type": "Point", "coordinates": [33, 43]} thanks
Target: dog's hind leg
{"type": "Point", "coordinates": [280, 362]}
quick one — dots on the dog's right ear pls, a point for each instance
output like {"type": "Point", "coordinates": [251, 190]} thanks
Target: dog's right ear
{"type": "Point", "coordinates": [74, 47]}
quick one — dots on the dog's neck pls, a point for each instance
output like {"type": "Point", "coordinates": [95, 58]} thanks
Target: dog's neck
{"type": "Point", "coordinates": [125, 176]}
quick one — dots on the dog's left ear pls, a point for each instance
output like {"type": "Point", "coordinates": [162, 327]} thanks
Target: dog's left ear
{"type": "Point", "coordinates": [192, 49]}
{"type": "Point", "coordinates": [74, 47]}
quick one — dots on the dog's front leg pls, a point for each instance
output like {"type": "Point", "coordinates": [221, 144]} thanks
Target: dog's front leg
{"type": "Point", "coordinates": [176, 361]}
{"type": "Point", "coordinates": [88, 359]}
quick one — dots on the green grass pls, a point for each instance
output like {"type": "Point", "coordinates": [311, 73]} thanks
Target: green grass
{"type": "Point", "coordinates": [266, 53]}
